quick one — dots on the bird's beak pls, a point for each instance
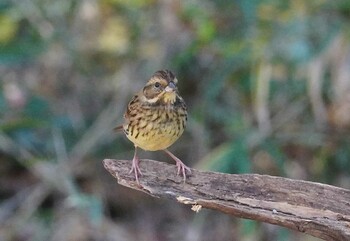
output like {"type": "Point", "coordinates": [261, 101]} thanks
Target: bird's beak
{"type": "Point", "coordinates": [171, 87]}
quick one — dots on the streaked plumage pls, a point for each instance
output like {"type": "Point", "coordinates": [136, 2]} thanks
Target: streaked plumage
{"type": "Point", "coordinates": [156, 117]}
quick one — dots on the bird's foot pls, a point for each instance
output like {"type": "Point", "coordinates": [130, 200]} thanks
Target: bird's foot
{"type": "Point", "coordinates": [135, 168]}
{"type": "Point", "coordinates": [181, 167]}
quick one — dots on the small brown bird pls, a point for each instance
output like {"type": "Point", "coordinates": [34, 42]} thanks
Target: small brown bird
{"type": "Point", "coordinates": [155, 118]}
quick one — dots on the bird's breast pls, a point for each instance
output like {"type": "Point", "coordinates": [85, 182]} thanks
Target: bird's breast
{"type": "Point", "coordinates": [156, 127]}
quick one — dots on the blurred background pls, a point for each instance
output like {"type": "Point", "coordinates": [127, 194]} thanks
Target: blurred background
{"type": "Point", "coordinates": [266, 83]}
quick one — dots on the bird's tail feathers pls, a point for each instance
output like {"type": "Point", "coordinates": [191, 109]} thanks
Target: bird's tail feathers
{"type": "Point", "coordinates": [118, 128]}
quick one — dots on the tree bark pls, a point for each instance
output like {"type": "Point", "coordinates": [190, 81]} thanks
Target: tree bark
{"type": "Point", "coordinates": [317, 209]}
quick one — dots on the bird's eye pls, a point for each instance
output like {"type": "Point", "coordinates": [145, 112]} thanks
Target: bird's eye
{"type": "Point", "coordinates": [157, 84]}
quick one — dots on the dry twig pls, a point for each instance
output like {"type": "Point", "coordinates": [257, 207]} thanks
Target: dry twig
{"type": "Point", "coordinates": [317, 209]}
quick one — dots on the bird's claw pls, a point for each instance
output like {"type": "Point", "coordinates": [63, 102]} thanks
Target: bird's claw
{"type": "Point", "coordinates": [182, 169]}
{"type": "Point", "coordinates": [136, 169]}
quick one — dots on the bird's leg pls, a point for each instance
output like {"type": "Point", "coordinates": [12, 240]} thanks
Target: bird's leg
{"type": "Point", "coordinates": [181, 167]}
{"type": "Point", "coordinates": [135, 166]}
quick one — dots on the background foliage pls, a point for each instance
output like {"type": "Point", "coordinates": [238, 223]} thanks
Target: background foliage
{"type": "Point", "coordinates": [266, 82]}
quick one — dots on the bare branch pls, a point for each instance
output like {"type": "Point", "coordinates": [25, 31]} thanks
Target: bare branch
{"type": "Point", "coordinates": [317, 209]}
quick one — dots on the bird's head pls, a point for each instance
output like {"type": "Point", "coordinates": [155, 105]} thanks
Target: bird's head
{"type": "Point", "coordinates": [161, 88]}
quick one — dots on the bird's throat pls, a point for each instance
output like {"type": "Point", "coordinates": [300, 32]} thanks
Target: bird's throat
{"type": "Point", "coordinates": [169, 97]}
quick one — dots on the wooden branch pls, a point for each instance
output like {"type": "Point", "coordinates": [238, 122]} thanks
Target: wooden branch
{"type": "Point", "coordinates": [317, 209]}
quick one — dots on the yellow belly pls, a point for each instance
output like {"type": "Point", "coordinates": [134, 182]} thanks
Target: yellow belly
{"type": "Point", "coordinates": [154, 128]}
{"type": "Point", "coordinates": [153, 138]}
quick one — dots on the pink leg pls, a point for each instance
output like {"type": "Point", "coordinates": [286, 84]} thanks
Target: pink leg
{"type": "Point", "coordinates": [181, 167]}
{"type": "Point", "coordinates": [135, 166]}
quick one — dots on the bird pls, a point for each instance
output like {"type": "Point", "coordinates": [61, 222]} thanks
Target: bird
{"type": "Point", "coordinates": [155, 118]}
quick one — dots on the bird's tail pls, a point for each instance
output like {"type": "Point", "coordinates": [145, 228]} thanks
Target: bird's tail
{"type": "Point", "coordinates": [118, 128]}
